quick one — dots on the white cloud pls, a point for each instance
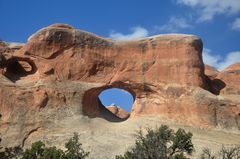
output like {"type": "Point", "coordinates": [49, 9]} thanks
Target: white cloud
{"type": "Point", "coordinates": [236, 24]}
{"type": "Point", "coordinates": [231, 58]}
{"type": "Point", "coordinates": [137, 32]}
{"type": "Point", "coordinates": [220, 62]}
{"type": "Point", "coordinates": [209, 8]}
{"type": "Point", "coordinates": [174, 25]}
{"type": "Point", "coordinates": [210, 59]}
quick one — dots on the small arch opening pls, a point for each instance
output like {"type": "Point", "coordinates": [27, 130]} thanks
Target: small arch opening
{"type": "Point", "coordinates": [19, 68]}
{"type": "Point", "coordinates": [117, 101]}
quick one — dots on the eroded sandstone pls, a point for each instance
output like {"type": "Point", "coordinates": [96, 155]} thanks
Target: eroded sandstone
{"type": "Point", "coordinates": [53, 81]}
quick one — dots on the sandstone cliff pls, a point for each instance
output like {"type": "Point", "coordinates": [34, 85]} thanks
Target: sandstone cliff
{"type": "Point", "coordinates": [50, 86]}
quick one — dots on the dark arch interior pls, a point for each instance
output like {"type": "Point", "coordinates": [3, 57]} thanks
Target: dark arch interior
{"type": "Point", "coordinates": [16, 69]}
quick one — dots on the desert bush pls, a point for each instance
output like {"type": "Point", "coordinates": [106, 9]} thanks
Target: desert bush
{"type": "Point", "coordinates": [73, 147]}
{"type": "Point", "coordinates": [52, 153]}
{"type": "Point", "coordinates": [162, 143]}
{"type": "Point", "coordinates": [35, 152]}
{"type": "Point", "coordinates": [225, 153]}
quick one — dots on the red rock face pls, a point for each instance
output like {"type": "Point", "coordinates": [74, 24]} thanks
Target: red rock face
{"type": "Point", "coordinates": [231, 77]}
{"type": "Point", "coordinates": [225, 82]}
{"type": "Point", "coordinates": [211, 71]}
{"type": "Point", "coordinates": [61, 68]}
{"type": "Point", "coordinates": [77, 55]}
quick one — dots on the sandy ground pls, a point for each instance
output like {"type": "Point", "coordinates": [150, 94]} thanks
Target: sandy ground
{"type": "Point", "coordinates": [105, 139]}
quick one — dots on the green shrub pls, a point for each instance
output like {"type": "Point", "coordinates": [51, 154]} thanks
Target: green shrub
{"type": "Point", "coordinates": [35, 152]}
{"type": "Point", "coordinates": [73, 147]}
{"type": "Point", "coordinates": [162, 143]}
{"type": "Point", "coordinates": [52, 153]}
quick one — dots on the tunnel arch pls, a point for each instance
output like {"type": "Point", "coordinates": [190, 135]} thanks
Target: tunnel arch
{"type": "Point", "coordinates": [93, 107]}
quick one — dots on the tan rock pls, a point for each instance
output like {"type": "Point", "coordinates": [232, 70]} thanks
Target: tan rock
{"type": "Point", "coordinates": [233, 67]}
{"type": "Point", "coordinates": [230, 76]}
{"type": "Point", "coordinates": [211, 71]}
{"type": "Point", "coordinates": [118, 111]}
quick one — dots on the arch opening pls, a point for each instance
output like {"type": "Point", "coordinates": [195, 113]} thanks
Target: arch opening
{"type": "Point", "coordinates": [93, 106]}
{"type": "Point", "coordinates": [16, 69]}
{"type": "Point", "coordinates": [117, 101]}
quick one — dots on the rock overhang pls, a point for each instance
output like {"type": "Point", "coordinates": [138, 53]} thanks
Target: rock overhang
{"type": "Point", "coordinates": [148, 55]}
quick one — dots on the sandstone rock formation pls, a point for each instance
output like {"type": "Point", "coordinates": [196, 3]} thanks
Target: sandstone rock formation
{"type": "Point", "coordinates": [51, 84]}
{"type": "Point", "coordinates": [230, 76]}
{"type": "Point", "coordinates": [118, 111]}
{"type": "Point", "coordinates": [211, 72]}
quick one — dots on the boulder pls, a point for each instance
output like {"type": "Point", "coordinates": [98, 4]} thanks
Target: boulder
{"type": "Point", "coordinates": [118, 111]}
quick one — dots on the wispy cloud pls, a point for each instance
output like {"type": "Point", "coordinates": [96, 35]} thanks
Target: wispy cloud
{"type": "Point", "coordinates": [218, 61]}
{"type": "Point", "coordinates": [236, 24]}
{"type": "Point", "coordinates": [207, 9]}
{"type": "Point", "coordinates": [210, 59]}
{"type": "Point", "coordinates": [137, 32]}
{"type": "Point", "coordinates": [174, 24]}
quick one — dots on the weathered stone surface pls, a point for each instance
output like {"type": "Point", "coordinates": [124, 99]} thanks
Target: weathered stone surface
{"type": "Point", "coordinates": [118, 111]}
{"type": "Point", "coordinates": [79, 55]}
{"type": "Point", "coordinates": [230, 76]}
{"type": "Point", "coordinates": [211, 71]}
{"type": "Point", "coordinates": [49, 87]}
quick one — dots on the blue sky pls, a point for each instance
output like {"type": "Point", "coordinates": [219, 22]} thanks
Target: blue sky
{"type": "Point", "coordinates": [217, 22]}
{"type": "Point", "coordinates": [118, 97]}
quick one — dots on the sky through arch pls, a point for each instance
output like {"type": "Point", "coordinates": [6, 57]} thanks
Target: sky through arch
{"type": "Point", "coordinates": [118, 97]}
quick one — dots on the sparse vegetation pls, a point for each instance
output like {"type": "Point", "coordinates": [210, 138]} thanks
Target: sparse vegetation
{"type": "Point", "coordinates": [74, 149]}
{"type": "Point", "coordinates": [162, 143]}
{"type": "Point", "coordinates": [38, 150]}
{"type": "Point", "coordinates": [224, 153]}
